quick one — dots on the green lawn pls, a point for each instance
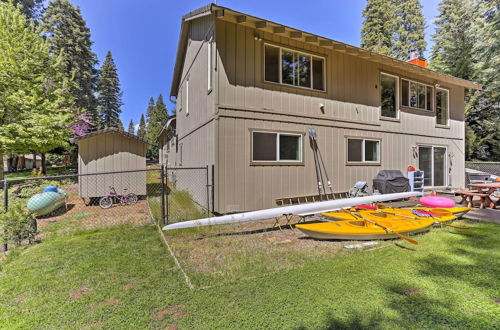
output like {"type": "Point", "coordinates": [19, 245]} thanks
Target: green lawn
{"type": "Point", "coordinates": [124, 278]}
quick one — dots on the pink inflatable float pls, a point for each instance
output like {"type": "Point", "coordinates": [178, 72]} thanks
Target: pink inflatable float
{"type": "Point", "coordinates": [436, 201]}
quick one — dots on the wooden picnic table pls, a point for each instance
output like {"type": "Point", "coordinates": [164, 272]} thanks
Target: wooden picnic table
{"type": "Point", "coordinates": [484, 191]}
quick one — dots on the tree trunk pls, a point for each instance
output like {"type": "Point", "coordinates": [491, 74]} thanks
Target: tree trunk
{"type": "Point", "coordinates": [1, 165]}
{"type": "Point", "coordinates": [33, 165]}
{"type": "Point", "coordinates": [15, 163]}
{"type": "Point", "coordinates": [9, 164]}
{"type": "Point", "coordinates": [44, 165]}
{"type": "Point", "coordinates": [22, 163]}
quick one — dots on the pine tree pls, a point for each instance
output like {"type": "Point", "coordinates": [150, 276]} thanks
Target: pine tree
{"type": "Point", "coordinates": [69, 35]}
{"type": "Point", "coordinates": [141, 132]}
{"type": "Point", "coordinates": [157, 117]}
{"type": "Point", "coordinates": [35, 108]}
{"type": "Point", "coordinates": [409, 29]}
{"type": "Point", "coordinates": [119, 125]}
{"type": "Point", "coordinates": [378, 26]}
{"type": "Point", "coordinates": [131, 128]}
{"type": "Point", "coordinates": [30, 8]}
{"type": "Point", "coordinates": [454, 39]}
{"type": "Point", "coordinates": [483, 110]}
{"type": "Point", "coordinates": [109, 94]}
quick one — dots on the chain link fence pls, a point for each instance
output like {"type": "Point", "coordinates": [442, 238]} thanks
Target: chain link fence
{"type": "Point", "coordinates": [481, 171]}
{"type": "Point", "coordinates": [45, 205]}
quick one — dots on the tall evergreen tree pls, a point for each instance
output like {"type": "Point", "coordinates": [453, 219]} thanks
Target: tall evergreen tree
{"type": "Point", "coordinates": [30, 8]}
{"type": "Point", "coordinates": [483, 110]}
{"type": "Point", "coordinates": [378, 26]}
{"type": "Point", "coordinates": [119, 125]}
{"type": "Point", "coordinates": [454, 39]}
{"type": "Point", "coordinates": [409, 29]}
{"type": "Point", "coordinates": [141, 132]}
{"type": "Point", "coordinates": [35, 108]}
{"type": "Point", "coordinates": [109, 94]}
{"type": "Point", "coordinates": [69, 35]}
{"type": "Point", "coordinates": [131, 128]}
{"type": "Point", "coordinates": [157, 117]}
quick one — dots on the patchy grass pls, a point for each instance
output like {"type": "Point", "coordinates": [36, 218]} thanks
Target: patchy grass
{"type": "Point", "coordinates": [51, 171]}
{"type": "Point", "coordinates": [123, 278]}
{"type": "Point", "coordinates": [180, 203]}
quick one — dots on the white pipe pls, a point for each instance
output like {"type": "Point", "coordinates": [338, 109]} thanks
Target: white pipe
{"type": "Point", "coordinates": [302, 209]}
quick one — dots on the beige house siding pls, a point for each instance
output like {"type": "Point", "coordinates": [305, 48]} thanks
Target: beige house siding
{"type": "Point", "coordinates": [244, 186]}
{"type": "Point", "coordinates": [111, 152]}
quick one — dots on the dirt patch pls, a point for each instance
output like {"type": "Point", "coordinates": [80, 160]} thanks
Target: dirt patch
{"type": "Point", "coordinates": [496, 300]}
{"type": "Point", "coordinates": [174, 311]}
{"type": "Point", "coordinates": [92, 216]}
{"type": "Point", "coordinates": [411, 291]}
{"type": "Point", "coordinates": [171, 327]}
{"type": "Point", "coordinates": [110, 302]}
{"type": "Point", "coordinates": [128, 286]}
{"type": "Point", "coordinates": [20, 299]}
{"type": "Point", "coordinates": [95, 325]}
{"type": "Point", "coordinates": [82, 291]}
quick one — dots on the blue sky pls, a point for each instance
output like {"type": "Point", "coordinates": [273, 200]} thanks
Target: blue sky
{"type": "Point", "coordinates": [143, 35]}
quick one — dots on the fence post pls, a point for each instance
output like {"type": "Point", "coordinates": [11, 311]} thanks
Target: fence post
{"type": "Point", "coordinates": [162, 188]}
{"type": "Point", "coordinates": [208, 192]}
{"type": "Point", "coordinates": [5, 205]}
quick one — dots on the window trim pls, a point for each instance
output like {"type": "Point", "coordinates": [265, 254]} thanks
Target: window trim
{"type": "Point", "coordinates": [277, 161]}
{"type": "Point", "coordinates": [398, 109]}
{"type": "Point", "coordinates": [280, 65]}
{"type": "Point", "coordinates": [187, 98]}
{"type": "Point", "coordinates": [447, 125]}
{"type": "Point", "coordinates": [410, 81]}
{"type": "Point", "coordinates": [209, 65]}
{"type": "Point", "coordinates": [363, 161]}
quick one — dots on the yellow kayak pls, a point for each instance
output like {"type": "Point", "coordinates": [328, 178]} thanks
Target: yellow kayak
{"type": "Point", "coordinates": [363, 230]}
{"type": "Point", "coordinates": [457, 211]}
{"type": "Point", "coordinates": [442, 215]}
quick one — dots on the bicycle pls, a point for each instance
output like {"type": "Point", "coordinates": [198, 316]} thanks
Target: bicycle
{"type": "Point", "coordinates": [107, 201]}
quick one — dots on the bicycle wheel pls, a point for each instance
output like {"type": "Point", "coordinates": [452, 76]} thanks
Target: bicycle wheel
{"type": "Point", "coordinates": [131, 199]}
{"type": "Point", "coordinates": [106, 202]}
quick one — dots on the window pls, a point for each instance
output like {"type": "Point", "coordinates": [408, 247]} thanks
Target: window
{"type": "Point", "coordinates": [363, 151]}
{"type": "Point", "coordinates": [294, 68]}
{"type": "Point", "coordinates": [187, 98]}
{"type": "Point", "coordinates": [276, 147]}
{"type": "Point", "coordinates": [442, 106]}
{"type": "Point", "coordinates": [388, 96]}
{"type": "Point", "coordinates": [416, 95]}
{"type": "Point", "coordinates": [210, 63]}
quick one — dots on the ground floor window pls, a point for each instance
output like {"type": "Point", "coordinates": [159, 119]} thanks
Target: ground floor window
{"type": "Point", "coordinates": [363, 150]}
{"type": "Point", "coordinates": [276, 147]}
{"type": "Point", "coordinates": [432, 160]}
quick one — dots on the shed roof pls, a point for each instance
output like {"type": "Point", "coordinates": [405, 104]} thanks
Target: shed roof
{"type": "Point", "coordinates": [260, 24]}
{"type": "Point", "coordinates": [109, 130]}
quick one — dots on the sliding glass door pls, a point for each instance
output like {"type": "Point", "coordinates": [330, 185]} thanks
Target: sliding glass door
{"type": "Point", "coordinates": [432, 160]}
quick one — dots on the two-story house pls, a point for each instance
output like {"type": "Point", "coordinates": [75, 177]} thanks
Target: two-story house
{"type": "Point", "coordinates": [247, 89]}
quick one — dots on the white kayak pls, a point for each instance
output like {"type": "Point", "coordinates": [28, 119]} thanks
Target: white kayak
{"type": "Point", "coordinates": [301, 210]}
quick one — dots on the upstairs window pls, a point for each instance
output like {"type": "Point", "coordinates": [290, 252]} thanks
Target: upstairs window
{"type": "Point", "coordinates": [442, 106]}
{"type": "Point", "coordinates": [276, 147]}
{"type": "Point", "coordinates": [363, 151]}
{"type": "Point", "coordinates": [293, 68]}
{"type": "Point", "coordinates": [388, 96]}
{"type": "Point", "coordinates": [416, 95]}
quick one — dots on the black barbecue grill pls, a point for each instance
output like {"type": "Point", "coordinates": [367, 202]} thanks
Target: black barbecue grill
{"type": "Point", "coordinates": [390, 181]}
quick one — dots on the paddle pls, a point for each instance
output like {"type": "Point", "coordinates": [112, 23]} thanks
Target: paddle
{"type": "Point", "coordinates": [383, 227]}
{"type": "Point", "coordinates": [416, 218]}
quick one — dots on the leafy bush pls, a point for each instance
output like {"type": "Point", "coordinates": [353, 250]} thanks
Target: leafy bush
{"type": "Point", "coordinates": [17, 224]}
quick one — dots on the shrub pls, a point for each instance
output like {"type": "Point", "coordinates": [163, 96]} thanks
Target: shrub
{"type": "Point", "coordinates": [17, 224]}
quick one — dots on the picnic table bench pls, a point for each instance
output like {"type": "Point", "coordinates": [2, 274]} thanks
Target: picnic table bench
{"type": "Point", "coordinates": [482, 190]}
